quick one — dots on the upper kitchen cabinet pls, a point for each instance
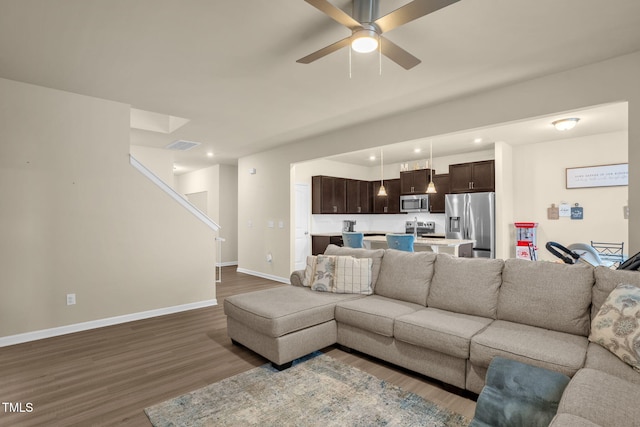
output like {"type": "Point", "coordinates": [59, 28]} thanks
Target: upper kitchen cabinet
{"type": "Point", "coordinates": [437, 201]}
{"type": "Point", "coordinates": [389, 203]}
{"type": "Point", "coordinates": [472, 177]}
{"type": "Point", "coordinates": [359, 198]}
{"type": "Point", "coordinates": [414, 182]}
{"type": "Point", "coordinates": [328, 195]}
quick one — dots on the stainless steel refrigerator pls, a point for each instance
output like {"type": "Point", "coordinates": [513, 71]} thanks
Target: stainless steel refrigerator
{"type": "Point", "coordinates": [472, 216]}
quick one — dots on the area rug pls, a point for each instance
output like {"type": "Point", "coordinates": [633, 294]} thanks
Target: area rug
{"type": "Point", "coordinates": [318, 391]}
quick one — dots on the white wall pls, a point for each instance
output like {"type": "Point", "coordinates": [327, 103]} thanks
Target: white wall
{"type": "Point", "coordinates": [76, 217]}
{"type": "Point", "coordinates": [539, 180]}
{"type": "Point", "coordinates": [221, 184]}
{"type": "Point", "coordinates": [268, 193]}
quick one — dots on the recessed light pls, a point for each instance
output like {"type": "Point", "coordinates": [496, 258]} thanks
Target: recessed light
{"type": "Point", "coordinates": [210, 154]}
{"type": "Point", "coordinates": [372, 158]}
{"type": "Point", "coordinates": [477, 140]}
{"type": "Point", "coordinates": [417, 150]}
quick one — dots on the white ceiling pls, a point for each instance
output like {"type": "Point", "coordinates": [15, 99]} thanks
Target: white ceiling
{"type": "Point", "coordinates": [229, 66]}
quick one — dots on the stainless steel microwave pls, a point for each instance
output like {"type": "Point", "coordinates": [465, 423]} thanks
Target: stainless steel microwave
{"type": "Point", "coordinates": [414, 203]}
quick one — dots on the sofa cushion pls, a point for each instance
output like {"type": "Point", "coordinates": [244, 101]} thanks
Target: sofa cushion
{"type": "Point", "coordinates": [375, 255]}
{"type": "Point", "coordinates": [278, 311]}
{"type": "Point", "coordinates": [405, 276]}
{"type": "Point", "coordinates": [373, 313]}
{"type": "Point", "coordinates": [546, 294]}
{"type": "Point", "coordinates": [602, 399]}
{"type": "Point", "coordinates": [568, 420]}
{"type": "Point", "coordinates": [616, 327]}
{"type": "Point", "coordinates": [466, 285]}
{"type": "Point", "coordinates": [606, 281]}
{"type": "Point", "coordinates": [444, 331]}
{"type": "Point", "coordinates": [557, 351]}
{"type": "Point", "coordinates": [353, 275]}
{"type": "Point", "coordinates": [602, 359]}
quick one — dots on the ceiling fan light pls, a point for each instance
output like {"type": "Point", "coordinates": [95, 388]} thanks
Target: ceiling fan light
{"type": "Point", "coordinates": [565, 124]}
{"type": "Point", "coordinates": [366, 41]}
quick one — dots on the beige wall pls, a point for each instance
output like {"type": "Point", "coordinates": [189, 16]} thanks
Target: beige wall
{"type": "Point", "coordinates": [77, 218]}
{"type": "Point", "coordinates": [221, 184]}
{"type": "Point", "coordinates": [539, 180]}
{"type": "Point", "coordinates": [157, 160]}
{"type": "Point", "coordinates": [268, 193]}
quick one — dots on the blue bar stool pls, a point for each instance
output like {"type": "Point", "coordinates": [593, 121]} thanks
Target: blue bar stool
{"type": "Point", "coordinates": [352, 239]}
{"type": "Point", "coordinates": [401, 242]}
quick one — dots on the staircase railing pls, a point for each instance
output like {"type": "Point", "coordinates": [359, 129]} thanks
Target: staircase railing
{"type": "Point", "coordinates": [181, 200]}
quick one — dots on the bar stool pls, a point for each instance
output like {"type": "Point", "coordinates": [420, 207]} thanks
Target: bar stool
{"type": "Point", "coordinates": [401, 242]}
{"type": "Point", "coordinates": [352, 239]}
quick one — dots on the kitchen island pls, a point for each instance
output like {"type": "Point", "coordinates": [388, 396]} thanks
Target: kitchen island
{"type": "Point", "coordinates": [455, 247]}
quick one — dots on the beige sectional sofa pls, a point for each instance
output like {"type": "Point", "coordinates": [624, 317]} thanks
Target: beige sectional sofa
{"type": "Point", "coordinates": [447, 317]}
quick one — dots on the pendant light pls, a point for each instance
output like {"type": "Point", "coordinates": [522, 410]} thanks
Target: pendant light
{"type": "Point", "coordinates": [431, 188]}
{"type": "Point", "coordinates": [382, 192]}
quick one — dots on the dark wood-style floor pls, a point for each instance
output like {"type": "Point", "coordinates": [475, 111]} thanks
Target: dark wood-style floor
{"type": "Point", "coordinates": [108, 376]}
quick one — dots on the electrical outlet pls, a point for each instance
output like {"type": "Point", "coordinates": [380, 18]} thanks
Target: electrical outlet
{"type": "Point", "coordinates": [269, 258]}
{"type": "Point", "coordinates": [71, 299]}
{"type": "Point", "coordinates": [625, 212]}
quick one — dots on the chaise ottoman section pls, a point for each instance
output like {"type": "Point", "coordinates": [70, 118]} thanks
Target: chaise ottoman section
{"type": "Point", "coordinates": [283, 323]}
{"type": "Point", "coordinates": [280, 311]}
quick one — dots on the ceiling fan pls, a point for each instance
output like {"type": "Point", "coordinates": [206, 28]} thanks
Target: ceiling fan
{"type": "Point", "coordinates": [367, 28]}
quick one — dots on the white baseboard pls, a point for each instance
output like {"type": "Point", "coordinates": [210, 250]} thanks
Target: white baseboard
{"type": "Point", "coordinates": [226, 264]}
{"type": "Point", "coordinates": [264, 275]}
{"type": "Point", "coordinates": [100, 323]}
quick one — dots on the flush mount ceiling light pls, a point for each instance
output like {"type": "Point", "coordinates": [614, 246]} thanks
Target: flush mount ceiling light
{"type": "Point", "coordinates": [565, 124]}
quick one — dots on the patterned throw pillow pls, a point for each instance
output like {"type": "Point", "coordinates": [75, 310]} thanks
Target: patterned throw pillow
{"type": "Point", "coordinates": [309, 271]}
{"type": "Point", "coordinates": [323, 276]}
{"type": "Point", "coordinates": [353, 275]}
{"type": "Point", "coordinates": [616, 327]}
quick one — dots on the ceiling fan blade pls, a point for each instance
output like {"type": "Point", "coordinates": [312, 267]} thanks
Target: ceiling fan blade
{"type": "Point", "coordinates": [398, 54]}
{"type": "Point", "coordinates": [335, 13]}
{"type": "Point", "coordinates": [325, 51]}
{"type": "Point", "coordinates": [407, 13]}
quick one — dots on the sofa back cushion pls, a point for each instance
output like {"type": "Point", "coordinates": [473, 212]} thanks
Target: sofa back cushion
{"type": "Point", "coordinates": [466, 285]}
{"type": "Point", "coordinates": [375, 255]}
{"type": "Point", "coordinates": [606, 281]}
{"type": "Point", "coordinates": [405, 276]}
{"type": "Point", "coordinates": [547, 295]}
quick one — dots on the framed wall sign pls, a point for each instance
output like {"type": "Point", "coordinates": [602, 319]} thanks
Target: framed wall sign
{"type": "Point", "coordinates": [598, 176]}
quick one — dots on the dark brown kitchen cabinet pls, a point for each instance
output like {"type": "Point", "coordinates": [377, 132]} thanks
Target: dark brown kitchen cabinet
{"type": "Point", "coordinates": [414, 182]}
{"type": "Point", "coordinates": [436, 201]}
{"type": "Point", "coordinates": [472, 177]}
{"type": "Point", "coordinates": [328, 195]}
{"type": "Point", "coordinates": [319, 243]}
{"type": "Point", "coordinates": [391, 202]}
{"type": "Point", "coordinates": [359, 199]}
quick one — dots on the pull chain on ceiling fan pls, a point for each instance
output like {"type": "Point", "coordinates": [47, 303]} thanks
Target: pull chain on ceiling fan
{"type": "Point", "coordinates": [367, 28]}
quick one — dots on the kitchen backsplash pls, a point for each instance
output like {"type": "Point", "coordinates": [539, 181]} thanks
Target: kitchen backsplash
{"type": "Point", "coordinates": [373, 222]}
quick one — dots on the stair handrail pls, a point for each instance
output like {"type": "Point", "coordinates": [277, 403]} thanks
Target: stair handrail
{"type": "Point", "coordinates": [174, 194]}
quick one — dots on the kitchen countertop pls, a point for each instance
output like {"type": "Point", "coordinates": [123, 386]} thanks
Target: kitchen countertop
{"type": "Point", "coordinates": [426, 243]}
{"type": "Point", "coordinates": [378, 233]}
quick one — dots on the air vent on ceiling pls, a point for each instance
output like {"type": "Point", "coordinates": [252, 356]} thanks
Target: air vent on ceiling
{"type": "Point", "coordinates": [182, 145]}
